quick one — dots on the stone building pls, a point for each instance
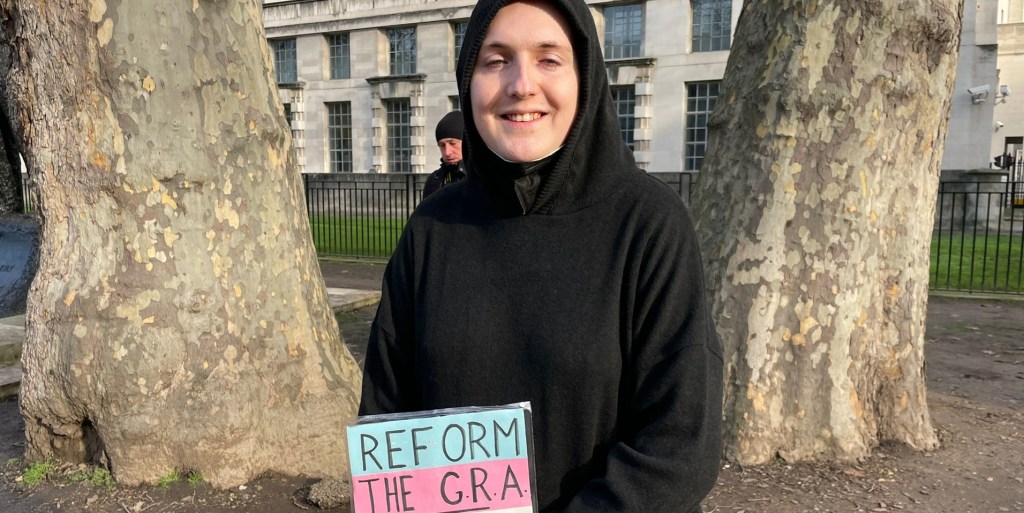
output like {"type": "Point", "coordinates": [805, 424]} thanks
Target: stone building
{"type": "Point", "coordinates": [364, 82]}
{"type": "Point", "coordinates": [969, 134]}
{"type": "Point", "coordinates": [1008, 121]}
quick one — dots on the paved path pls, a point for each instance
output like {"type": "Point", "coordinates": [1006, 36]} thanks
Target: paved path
{"type": "Point", "coordinates": [344, 300]}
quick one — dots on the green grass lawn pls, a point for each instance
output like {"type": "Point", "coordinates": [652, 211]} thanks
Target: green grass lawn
{"type": "Point", "coordinates": [976, 263]}
{"type": "Point", "coordinates": [367, 237]}
{"type": "Point", "coordinates": [958, 261]}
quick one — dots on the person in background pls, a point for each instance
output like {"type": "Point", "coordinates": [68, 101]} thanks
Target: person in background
{"type": "Point", "coordinates": [449, 141]}
{"type": "Point", "coordinates": [557, 273]}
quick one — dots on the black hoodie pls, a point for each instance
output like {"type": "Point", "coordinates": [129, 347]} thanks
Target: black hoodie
{"type": "Point", "coordinates": [573, 283]}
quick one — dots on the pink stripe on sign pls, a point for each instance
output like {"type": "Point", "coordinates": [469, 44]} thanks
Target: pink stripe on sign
{"type": "Point", "coordinates": [481, 486]}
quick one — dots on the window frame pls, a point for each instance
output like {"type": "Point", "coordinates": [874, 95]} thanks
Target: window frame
{"type": "Point", "coordinates": [621, 44]}
{"type": "Point", "coordinates": [700, 102]}
{"type": "Point", "coordinates": [401, 61]}
{"type": "Point", "coordinates": [627, 119]}
{"type": "Point", "coordinates": [279, 50]}
{"type": "Point", "coordinates": [458, 38]}
{"type": "Point", "coordinates": [339, 136]}
{"type": "Point", "coordinates": [339, 56]}
{"type": "Point", "coordinates": [398, 129]}
{"type": "Point", "coordinates": [710, 25]}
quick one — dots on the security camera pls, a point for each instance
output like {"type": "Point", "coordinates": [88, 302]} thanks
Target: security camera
{"type": "Point", "coordinates": [999, 124]}
{"type": "Point", "coordinates": [1004, 90]}
{"type": "Point", "coordinates": [978, 90]}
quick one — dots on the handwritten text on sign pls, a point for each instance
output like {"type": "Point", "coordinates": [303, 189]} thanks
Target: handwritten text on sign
{"type": "Point", "coordinates": [446, 463]}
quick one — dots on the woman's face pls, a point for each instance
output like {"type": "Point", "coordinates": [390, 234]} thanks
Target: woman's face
{"type": "Point", "coordinates": [525, 84]}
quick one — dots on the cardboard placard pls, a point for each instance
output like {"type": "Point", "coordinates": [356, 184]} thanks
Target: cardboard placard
{"type": "Point", "coordinates": [444, 461]}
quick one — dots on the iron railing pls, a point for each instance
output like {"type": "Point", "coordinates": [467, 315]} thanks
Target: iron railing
{"type": "Point", "coordinates": [361, 215]}
{"type": "Point", "coordinates": [977, 241]}
{"type": "Point", "coordinates": [26, 195]}
{"type": "Point", "coordinates": [978, 237]}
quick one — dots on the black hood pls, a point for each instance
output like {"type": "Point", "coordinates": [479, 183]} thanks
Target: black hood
{"type": "Point", "coordinates": [594, 160]}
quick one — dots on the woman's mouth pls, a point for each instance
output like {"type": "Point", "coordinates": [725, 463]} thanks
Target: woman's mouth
{"type": "Point", "coordinates": [522, 118]}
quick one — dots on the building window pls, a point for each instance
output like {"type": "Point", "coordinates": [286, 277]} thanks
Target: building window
{"type": "Point", "coordinates": [454, 104]}
{"type": "Point", "coordinates": [624, 99]}
{"type": "Point", "coordinates": [337, 45]}
{"type": "Point", "coordinates": [623, 31]}
{"type": "Point", "coordinates": [339, 136]}
{"type": "Point", "coordinates": [399, 135]}
{"type": "Point", "coordinates": [712, 22]}
{"type": "Point", "coordinates": [284, 60]}
{"type": "Point", "coordinates": [402, 50]}
{"type": "Point", "coordinates": [289, 118]}
{"type": "Point", "coordinates": [459, 33]}
{"type": "Point", "coordinates": [700, 101]}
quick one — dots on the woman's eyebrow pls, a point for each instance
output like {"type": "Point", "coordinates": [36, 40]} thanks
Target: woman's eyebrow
{"type": "Point", "coordinates": [544, 45]}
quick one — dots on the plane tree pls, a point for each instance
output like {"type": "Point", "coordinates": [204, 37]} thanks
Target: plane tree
{"type": "Point", "coordinates": [814, 209]}
{"type": "Point", "coordinates": [178, 320]}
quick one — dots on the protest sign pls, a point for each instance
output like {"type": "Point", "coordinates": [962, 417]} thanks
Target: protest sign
{"type": "Point", "coordinates": [444, 461]}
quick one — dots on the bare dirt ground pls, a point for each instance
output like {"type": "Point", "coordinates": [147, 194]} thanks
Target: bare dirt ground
{"type": "Point", "coordinates": [975, 356]}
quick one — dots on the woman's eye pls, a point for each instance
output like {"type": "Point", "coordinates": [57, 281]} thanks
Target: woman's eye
{"type": "Point", "coordinates": [551, 63]}
{"type": "Point", "coordinates": [494, 62]}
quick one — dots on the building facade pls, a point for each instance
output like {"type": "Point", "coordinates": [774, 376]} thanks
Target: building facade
{"type": "Point", "coordinates": [1008, 121]}
{"type": "Point", "coordinates": [969, 137]}
{"type": "Point", "coordinates": [364, 82]}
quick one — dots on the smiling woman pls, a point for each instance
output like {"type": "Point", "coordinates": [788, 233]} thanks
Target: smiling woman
{"type": "Point", "coordinates": [488, 300]}
{"type": "Point", "coordinates": [525, 83]}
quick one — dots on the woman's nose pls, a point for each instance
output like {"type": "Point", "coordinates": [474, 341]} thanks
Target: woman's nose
{"type": "Point", "coordinates": [520, 79]}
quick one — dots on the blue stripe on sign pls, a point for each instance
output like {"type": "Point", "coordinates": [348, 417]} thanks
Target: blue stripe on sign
{"type": "Point", "coordinates": [437, 441]}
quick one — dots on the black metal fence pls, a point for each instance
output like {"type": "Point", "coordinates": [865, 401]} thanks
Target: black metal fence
{"type": "Point", "coordinates": [361, 215]}
{"type": "Point", "coordinates": [977, 242]}
{"type": "Point", "coordinates": [978, 238]}
{"type": "Point", "coordinates": [26, 194]}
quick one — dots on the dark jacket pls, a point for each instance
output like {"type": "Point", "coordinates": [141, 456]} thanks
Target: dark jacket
{"type": "Point", "coordinates": [444, 175]}
{"type": "Point", "coordinates": [575, 284]}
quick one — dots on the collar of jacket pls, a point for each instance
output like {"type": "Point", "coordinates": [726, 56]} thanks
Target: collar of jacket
{"type": "Point", "coordinates": [457, 169]}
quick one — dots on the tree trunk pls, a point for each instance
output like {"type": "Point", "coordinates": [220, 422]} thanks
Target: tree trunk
{"type": "Point", "coordinates": [815, 209]}
{"type": "Point", "coordinates": [178, 320]}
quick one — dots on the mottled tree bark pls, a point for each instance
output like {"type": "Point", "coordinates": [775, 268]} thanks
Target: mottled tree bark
{"type": "Point", "coordinates": [815, 209]}
{"type": "Point", "coordinates": [178, 320]}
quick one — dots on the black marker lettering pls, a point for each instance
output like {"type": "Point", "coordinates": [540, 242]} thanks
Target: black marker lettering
{"type": "Point", "coordinates": [482, 474]}
{"type": "Point", "coordinates": [369, 491]}
{"type": "Point", "coordinates": [416, 447]}
{"type": "Point", "coordinates": [475, 437]}
{"type": "Point", "coordinates": [458, 498]}
{"type": "Point", "coordinates": [511, 482]}
{"type": "Point", "coordinates": [513, 431]}
{"type": "Point", "coordinates": [362, 442]}
{"type": "Point", "coordinates": [462, 441]}
{"type": "Point", "coordinates": [392, 449]}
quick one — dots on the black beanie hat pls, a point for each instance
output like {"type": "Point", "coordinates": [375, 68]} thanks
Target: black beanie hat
{"type": "Point", "coordinates": [450, 127]}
